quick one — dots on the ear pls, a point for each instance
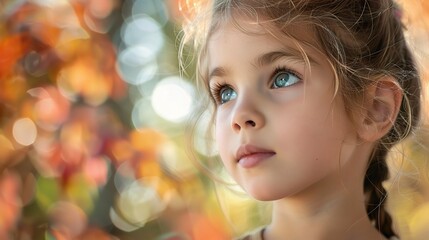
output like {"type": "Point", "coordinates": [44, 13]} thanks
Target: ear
{"type": "Point", "coordinates": [381, 106]}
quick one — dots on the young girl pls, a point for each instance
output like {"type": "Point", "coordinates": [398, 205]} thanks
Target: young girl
{"type": "Point", "coordinates": [309, 97]}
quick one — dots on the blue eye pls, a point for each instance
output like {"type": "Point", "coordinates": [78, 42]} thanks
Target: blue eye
{"type": "Point", "coordinates": [227, 94]}
{"type": "Point", "coordinates": [284, 78]}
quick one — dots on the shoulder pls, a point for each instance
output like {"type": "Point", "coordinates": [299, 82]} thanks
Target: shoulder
{"type": "Point", "coordinates": [253, 235]}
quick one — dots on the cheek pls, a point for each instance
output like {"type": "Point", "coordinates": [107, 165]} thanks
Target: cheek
{"type": "Point", "coordinates": [315, 134]}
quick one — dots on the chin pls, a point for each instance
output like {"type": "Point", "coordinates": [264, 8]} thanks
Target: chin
{"type": "Point", "coordinates": [269, 193]}
{"type": "Point", "coordinates": [265, 194]}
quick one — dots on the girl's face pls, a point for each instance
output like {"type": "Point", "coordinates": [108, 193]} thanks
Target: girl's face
{"type": "Point", "coordinates": [279, 128]}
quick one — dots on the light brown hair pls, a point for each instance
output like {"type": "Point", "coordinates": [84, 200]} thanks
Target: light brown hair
{"type": "Point", "coordinates": [363, 40]}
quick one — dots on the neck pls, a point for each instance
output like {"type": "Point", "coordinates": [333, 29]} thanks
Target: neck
{"type": "Point", "coordinates": [339, 212]}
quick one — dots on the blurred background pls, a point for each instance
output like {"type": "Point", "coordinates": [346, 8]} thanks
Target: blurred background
{"type": "Point", "coordinates": [93, 119]}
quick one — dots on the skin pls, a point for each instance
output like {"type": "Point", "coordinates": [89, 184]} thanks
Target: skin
{"type": "Point", "coordinates": [315, 177]}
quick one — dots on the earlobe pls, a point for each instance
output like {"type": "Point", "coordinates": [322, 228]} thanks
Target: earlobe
{"type": "Point", "coordinates": [381, 106]}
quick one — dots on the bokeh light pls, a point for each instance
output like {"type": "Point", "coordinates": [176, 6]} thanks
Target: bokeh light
{"type": "Point", "coordinates": [154, 8]}
{"type": "Point", "coordinates": [120, 223]}
{"type": "Point", "coordinates": [50, 3]}
{"type": "Point", "coordinates": [68, 219]}
{"type": "Point", "coordinates": [174, 160]}
{"type": "Point", "coordinates": [143, 30]}
{"type": "Point", "coordinates": [143, 39]}
{"type": "Point", "coordinates": [141, 110]}
{"type": "Point", "coordinates": [172, 99]}
{"type": "Point", "coordinates": [124, 176]}
{"type": "Point", "coordinates": [139, 203]}
{"type": "Point", "coordinates": [24, 131]}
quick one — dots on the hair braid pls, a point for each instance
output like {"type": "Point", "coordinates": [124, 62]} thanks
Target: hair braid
{"type": "Point", "coordinates": [376, 174]}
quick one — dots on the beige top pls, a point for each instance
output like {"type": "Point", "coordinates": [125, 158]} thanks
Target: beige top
{"type": "Point", "coordinates": [254, 235]}
{"type": "Point", "coordinates": [258, 234]}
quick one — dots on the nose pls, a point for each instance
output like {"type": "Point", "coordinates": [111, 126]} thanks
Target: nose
{"type": "Point", "coordinates": [247, 115]}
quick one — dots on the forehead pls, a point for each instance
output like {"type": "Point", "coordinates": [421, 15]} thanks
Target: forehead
{"type": "Point", "coordinates": [249, 38]}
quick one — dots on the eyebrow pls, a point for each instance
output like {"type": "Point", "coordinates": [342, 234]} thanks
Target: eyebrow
{"type": "Point", "coordinates": [270, 57]}
{"type": "Point", "coordinates": [266, 59]}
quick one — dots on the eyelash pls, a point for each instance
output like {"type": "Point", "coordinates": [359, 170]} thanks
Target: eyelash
{"type": "Point", "coordinates": [216, 90]}
{"type": "Point", "coordinates": [218, 86]}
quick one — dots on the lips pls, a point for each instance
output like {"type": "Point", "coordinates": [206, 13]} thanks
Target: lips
{"type": "Point", "coordinates": [249, 155]}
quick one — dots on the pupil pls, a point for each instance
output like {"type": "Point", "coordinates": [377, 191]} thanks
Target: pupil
{"type": "Point", "coordinates": [226, 95]}
{"type": "Point", "coordinates": [282, 79]}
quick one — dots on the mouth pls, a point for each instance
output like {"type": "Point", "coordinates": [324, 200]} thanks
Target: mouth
{"type": "Point", "coordinates": [248, 155]}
